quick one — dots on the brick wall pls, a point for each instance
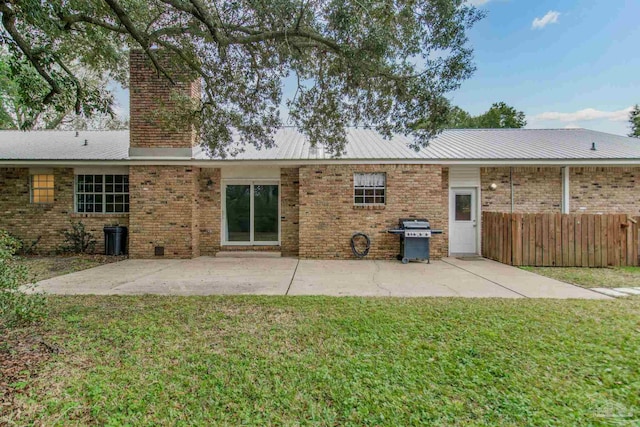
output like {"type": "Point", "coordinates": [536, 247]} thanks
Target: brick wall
{"type": "Point", "coordinates": [152, 96]}
{"type": "Point", "coordinates": [535, 189]}
{"type": "Point", "coordinates": [164, 211]}
{"type": "Point", "coordinates": [210, 210]}
{"type": "Point", "coordinates": [328, 217]}
{"type": "Point", "coordinates": [30, 221]}
{"type": "Point", "coordinates": [605, 190]}
{"type": "Point", "coordinates": [210, 207]}
{"type": "Point", "coordinates": [289, 211]}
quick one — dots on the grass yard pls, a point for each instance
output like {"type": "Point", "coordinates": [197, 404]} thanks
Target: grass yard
{"type": "Point", "coordinates": [619, 277]}
{"type": "Point", "coordinates": [329, 361]}
{"type": "Point", "coordinates": [41, 268]}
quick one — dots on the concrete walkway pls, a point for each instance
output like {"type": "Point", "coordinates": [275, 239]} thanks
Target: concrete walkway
{"type": "Point", "coordinates": [450, 277]}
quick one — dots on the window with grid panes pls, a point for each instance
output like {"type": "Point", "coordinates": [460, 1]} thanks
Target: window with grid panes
{"type": "Point", "coordinates": [102, 193]}
{"type": "Point", "coordinates": [369, 188]}
{"type": "Point", "coordinates": [42, 188]}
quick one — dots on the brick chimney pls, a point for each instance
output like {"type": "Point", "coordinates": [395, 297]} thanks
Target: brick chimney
{"type": "Point", "coordinates": [152, 98]}
{"type": "Point", "coordinates": [163, 211]}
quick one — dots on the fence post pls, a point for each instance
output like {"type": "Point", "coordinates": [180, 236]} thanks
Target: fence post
{"type": "Point", "coordinates": [516, 239]}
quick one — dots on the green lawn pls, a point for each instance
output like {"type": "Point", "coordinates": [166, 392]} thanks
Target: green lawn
{"type": "Point", "coordinates": [333, 361]}
{"type": "Point", "coordinates": [592, 277]}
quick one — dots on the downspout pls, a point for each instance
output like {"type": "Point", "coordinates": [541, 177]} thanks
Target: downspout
{"type": "Point", "coordinates": [511, 183]}
{"type": "Point", "coordinates": [566, 186]}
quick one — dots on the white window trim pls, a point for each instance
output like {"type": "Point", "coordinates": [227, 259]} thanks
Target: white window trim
{"type": "Point", "coordinates": [374, 188]}
{"type": "Point", "coordinates": [104, 195]}
{"type": "Point", "coordinates": [223, 227]}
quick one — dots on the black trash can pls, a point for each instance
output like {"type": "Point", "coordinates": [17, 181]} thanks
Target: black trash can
{"type": "Point", "coordinates": [115, 240]}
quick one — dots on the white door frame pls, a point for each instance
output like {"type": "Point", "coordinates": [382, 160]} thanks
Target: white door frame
{"type": "Point", "coordinates": [223, 206]}
{"type": "Point", "coordinates": [475, 209]}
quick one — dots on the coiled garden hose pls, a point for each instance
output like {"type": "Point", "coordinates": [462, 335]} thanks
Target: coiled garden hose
{"type": "Point", "coordinates": [356, 252]}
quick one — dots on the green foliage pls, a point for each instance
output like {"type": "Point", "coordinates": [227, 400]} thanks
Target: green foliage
{"type": "Point", "coordinates": [18, 306]}
{"type": "Point", "coordinates": [26, 247]}
{"type": "Point", "coordinates": [499, 116]}
{"type": "Point", "coordinates": [384, 64]}
{"type": "Point", "coordinates": [157, 360]}
{"type": "Point", "coordinates": [77, 240]}
{"type": "Point", "coordinates": [634, 121]}
{"type": "Point", "coordinates": [19, 110]}
{"type": "Point", "coordinates": [460, 119]}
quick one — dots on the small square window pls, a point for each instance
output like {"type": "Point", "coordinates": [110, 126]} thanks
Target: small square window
{"type": "Point", "coordinates": [42, 188]}
{"type": "Point", "coordinates": [463, 207]}
{"type": "Point", "coordinates": [369, 188]}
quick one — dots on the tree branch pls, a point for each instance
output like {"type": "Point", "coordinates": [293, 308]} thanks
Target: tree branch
{"type": "Point", "coordinates": [8, 21]}
{"type": "Point", "coordinates": [287, 34]}
{"type": "Point", "coordinates": [142, 39]}
{"type": "Point", "coordinates": [69, 20]}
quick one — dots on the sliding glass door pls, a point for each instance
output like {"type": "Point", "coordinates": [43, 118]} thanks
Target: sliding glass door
{"type": "Point", "coordinates": [251, 213]}
{"type": "Point", "coordinates": [238, 198]}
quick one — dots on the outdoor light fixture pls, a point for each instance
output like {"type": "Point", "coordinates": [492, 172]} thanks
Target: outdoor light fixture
{"type": "Point", "coordinates": [493, 186]}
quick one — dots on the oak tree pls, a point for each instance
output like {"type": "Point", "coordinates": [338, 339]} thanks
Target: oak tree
{"type": "Point", "coordinates": [386, 64]}
{"type": "Point", "coordinates": [18, 111]}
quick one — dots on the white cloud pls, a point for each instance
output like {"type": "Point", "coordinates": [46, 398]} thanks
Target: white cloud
{"type": "Point", "coordinates": [586, 115]}
{"type": "Point", "coordinates": [550, 18]}
{"type": "Point", "coordinates": [478, 2]}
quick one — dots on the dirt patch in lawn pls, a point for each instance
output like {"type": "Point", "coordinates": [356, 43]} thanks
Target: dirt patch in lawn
{"type": "Point", "coordinates": [22, 352]}
{"type": "Point", "coordinates": [41, 268]}
{"type": "Point", "coordinates": [592, 277]}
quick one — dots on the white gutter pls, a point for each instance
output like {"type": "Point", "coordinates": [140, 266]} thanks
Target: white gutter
{"type": "Point", "coordinates": [300, 162]}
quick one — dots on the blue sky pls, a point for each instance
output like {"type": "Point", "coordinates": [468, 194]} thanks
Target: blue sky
{"type": "Point", "coordinates": [565, 63]}
{"type": "Point", "coordinates": [582, 57]}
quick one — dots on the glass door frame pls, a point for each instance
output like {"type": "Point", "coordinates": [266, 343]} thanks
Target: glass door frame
{"type": "Point", "coordinates": [223, 211]}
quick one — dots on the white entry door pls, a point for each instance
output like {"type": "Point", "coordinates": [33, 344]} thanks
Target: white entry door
{"type": "Point", "coordinates": [464, 232]}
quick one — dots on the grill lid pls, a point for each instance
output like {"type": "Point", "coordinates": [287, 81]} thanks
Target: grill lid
{"type": "Point", "coordinates": [415, 224]}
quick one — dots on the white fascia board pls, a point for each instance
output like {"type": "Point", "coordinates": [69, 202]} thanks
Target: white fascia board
{"type": "Point", "coordinates": [301, 162]}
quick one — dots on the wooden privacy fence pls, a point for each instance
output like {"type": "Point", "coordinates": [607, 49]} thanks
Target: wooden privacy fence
{"type": "Point", "coordinates": [563, 240]}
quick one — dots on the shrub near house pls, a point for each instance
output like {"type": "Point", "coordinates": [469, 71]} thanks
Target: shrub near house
{"type": "Point", "coordinates": [16, 307]}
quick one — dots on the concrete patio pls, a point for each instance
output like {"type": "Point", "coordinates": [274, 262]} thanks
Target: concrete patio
{"type": "Point", "coordinates": [450, 277]}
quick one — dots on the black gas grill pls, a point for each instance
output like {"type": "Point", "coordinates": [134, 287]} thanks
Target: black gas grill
{"type": "Point", "coordinates": [415, 236]}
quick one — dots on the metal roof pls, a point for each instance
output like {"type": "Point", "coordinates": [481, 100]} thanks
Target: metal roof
{"type": "Point", "coordinates": [363, 144]}
{"type": "Point", "coordinates": [64, 145]}
{"type": "Point", "coordinates": [459, 144]}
